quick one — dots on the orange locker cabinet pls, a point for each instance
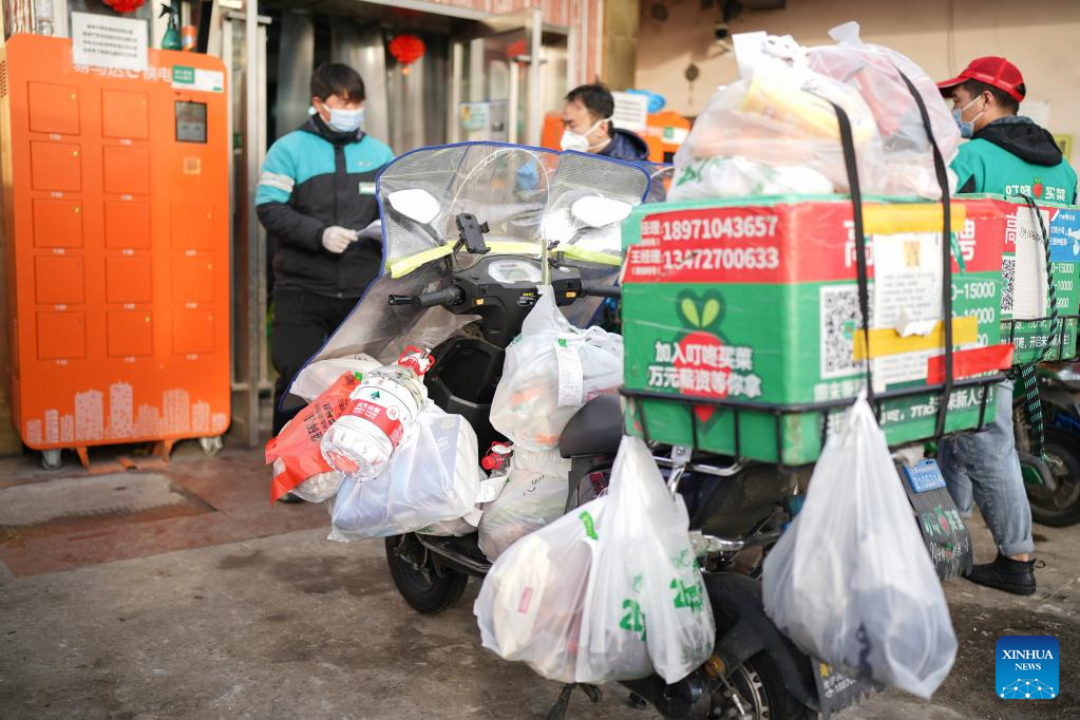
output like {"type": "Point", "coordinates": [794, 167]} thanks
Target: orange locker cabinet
{"type": "Point", "coordinates": [116, 243]}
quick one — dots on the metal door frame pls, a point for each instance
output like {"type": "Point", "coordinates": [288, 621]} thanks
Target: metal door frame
{"type": "Point", "coordinates": [248, 302]}
{"type": "Point", "coordinates": [531, 22]}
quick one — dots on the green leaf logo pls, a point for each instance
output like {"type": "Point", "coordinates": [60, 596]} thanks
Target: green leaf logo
{"type": "Point", "coordinates": [701, 313]}
{"type": "Point", "coordinates": [689, 311]}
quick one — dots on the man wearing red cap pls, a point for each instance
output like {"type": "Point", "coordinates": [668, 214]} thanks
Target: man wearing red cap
{"type": "Point", "coordinates": [1008, 154]}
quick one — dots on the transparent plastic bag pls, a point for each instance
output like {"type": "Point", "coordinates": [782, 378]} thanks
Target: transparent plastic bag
{"type": "Point", "coordinates": [739, 177]}
{"type": "Point", "coordinates": [874, 71]}
{"type": "Point", "coordinates": [646, 604]}
{"type": "Point", "coordinates": [529, 607]}
{"type": "Point", "coordinates": [550, 371]}
{"type": "Point", "coordinates": [432, 477]}
{"type": "Point", "coordinates": [780, 117]}
{"type": "Point", "coordinates": [851, 581]}
{"type": "Point", "coordinates": [314, 378]}
{"type": "Point", "coordinates": [534, 495]}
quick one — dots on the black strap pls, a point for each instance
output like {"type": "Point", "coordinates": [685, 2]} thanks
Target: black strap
{"type": "Point", "coordinates": [946, 251]}
{"type": "Point", "coordinates": [848, 143]}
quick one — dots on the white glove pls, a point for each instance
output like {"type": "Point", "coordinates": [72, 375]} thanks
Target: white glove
{"type": "Point", "coordinates": [335, 239]}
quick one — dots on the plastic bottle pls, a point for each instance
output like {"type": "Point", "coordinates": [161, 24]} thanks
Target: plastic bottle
{"type": "Point", "coordinates": [360, 443]}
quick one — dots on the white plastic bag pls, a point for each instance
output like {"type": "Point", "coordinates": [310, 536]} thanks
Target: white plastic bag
{"type": "Point", "coordinates": [550, 371]}
{"type": "Point", "coordinates": [646, 604]}
{"type": "Point", "coordinates": [779, 115]}
{"type": "Point", "coordinates": [851, 581]}
{"type": "Point", "coordinates": [315, 377]}
{"type": "Point", "coordinates": [432, 477]}
{"type": "Point", "coordinates": [529, 607]}
{"type": "Point", "coordinates": [738, 177]}
{"type": "Point", "coordinates": [874, 71]}
{"type": "Point", "coordinates": [490, 489]}
{"type": "Point", "coordinates": [534, 495]}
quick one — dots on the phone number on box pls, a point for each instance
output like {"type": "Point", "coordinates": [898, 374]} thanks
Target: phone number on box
{"type": "Point", "coordinates": [714, 259]}
{"type": "Point", "coordinates": [738, 226]}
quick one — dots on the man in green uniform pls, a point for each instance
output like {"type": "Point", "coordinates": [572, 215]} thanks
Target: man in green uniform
{"type": "Point", "coordinates": [1007, 154]}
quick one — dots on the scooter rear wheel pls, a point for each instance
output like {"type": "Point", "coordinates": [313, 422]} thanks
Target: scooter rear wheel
{"type": "Point", "coordinates": [426, 588]}
{"type": "Point", "coordinates": [755, 691]}
{"type": "Point", "coordinates": [1060, 508]}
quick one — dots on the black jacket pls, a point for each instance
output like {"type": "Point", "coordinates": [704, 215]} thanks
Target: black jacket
{"type": "Point", "coordinates": [314, 178]}
{"type": "Point", "coordinates": [626, 145]}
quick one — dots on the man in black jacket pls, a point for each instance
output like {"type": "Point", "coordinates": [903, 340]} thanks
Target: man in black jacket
{"type": "Point", "coordinates": [588, 126]}
{"type": "Point", "coordinates": [316, 193]}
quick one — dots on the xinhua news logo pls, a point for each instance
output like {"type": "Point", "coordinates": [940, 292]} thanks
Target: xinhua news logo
{"type": "Point", "coordinates": [1027, 667]}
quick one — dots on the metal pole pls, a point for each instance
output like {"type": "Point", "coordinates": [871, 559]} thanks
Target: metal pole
{"type": "Point", "coordinates": [253, 326]}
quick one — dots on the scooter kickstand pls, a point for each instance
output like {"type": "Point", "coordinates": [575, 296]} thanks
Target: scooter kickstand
{"type": "Point", "coordinates": [562, 705]}
{"type": "Point", "coordinates": [558, 710]}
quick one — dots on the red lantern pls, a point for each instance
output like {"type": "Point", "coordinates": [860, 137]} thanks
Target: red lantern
{"type": "Point", "coordinates": [516, 50]}
{"type": "Point", "coordinates": [125, 6]}
{"type": "Point", "coordinates": [407, 49]}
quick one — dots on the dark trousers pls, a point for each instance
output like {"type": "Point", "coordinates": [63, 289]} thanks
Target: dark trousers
{"type": "Point", "coordinates": [302, 323]}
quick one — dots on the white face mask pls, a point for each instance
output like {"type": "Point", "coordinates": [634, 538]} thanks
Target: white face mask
{"type": "Point", "coordinates": [578, 142]}
{"type": "Point", "coordinates": [346, 120]}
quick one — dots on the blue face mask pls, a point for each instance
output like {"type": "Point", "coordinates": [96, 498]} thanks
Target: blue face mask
{"type": "Point", "coordinates": [346, 120]}
{"type": "Point", "coordinates": [967, 127]}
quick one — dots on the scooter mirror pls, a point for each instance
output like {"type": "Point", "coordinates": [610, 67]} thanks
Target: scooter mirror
{"type": "Point", "coordinates": [596, 211]}
{"type": "Point", "coordinates": [416, 204]}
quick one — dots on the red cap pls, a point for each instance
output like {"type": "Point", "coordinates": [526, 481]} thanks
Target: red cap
{"type": "Point", "coordinates": [994, 71]}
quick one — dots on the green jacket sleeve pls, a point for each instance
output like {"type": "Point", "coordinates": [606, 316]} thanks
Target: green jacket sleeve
{"type": "Point", "coordinates": [970, 169]}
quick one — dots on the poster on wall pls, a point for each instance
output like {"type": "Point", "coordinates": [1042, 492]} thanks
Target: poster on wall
{"type": "Point", "coordinates": [109, 42]}
{"type": "Point", "coordinates": [631, 111]}
{"type": "Point", "coordinates": [474, 116]}
{"type": "Point", "coordinates": [485, 120]}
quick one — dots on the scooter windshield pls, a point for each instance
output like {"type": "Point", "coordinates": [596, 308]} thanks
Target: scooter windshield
{"type": "Point", "coordinates": [526, 196]}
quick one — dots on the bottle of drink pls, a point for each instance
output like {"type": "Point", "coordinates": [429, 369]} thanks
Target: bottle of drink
{"type": "Point", "coordinates": [359, 445]}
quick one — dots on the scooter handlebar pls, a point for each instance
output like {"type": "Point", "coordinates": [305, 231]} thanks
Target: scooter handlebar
{"type": "Point", "coordinates": [601, 290]}
{"type": "Point", "coordinates": [451, 295]}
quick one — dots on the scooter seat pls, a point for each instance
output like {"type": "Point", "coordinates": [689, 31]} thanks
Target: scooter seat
{"type": "Point", "coordinates": [595, 429]}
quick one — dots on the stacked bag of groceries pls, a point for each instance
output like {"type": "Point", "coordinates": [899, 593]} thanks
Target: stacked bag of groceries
{"type": "Point", "coordinates": [393, 462]}
{"type": "Point", "coordinates": [774, 131]}
{"type": "Point", "coordinates": [370, 440]}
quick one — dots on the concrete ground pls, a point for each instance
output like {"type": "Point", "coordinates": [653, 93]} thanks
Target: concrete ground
{"type": "Point", "coordinates": [185, 595]}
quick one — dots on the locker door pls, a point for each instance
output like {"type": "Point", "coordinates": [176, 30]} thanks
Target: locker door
{"type": "Point", "coordinates": [58, 223]}
{"type": "Point", "coordinates": [128, 280]}
{"type": "Point", "coordinates": [59, 279]}
{"type": "Point", "coordinates": [127, 170]}
{"type": "Point", "coordinates": [127, 224]}
{"type": "Point", "coordinates": [54, 108]}
{"type": "Point", "coordinates": [55, 166]}
{"type": "Point", "coordinates": [125, 115]}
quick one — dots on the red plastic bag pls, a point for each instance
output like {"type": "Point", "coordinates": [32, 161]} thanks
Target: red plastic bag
{"type": "Point", "coordinates": [295, 452]}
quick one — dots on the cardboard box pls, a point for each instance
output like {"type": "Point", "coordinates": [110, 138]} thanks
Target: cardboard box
{"type": "Point", "coordinates": [1025, 300]}
{"type": "Point", "coordinates": [756, 301]}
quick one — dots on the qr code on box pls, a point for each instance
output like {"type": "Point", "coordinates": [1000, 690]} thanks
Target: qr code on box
{"type": "Point", "coordinates": [840, 318]}
{"type": "Point", "coordinates": [1008, 277]}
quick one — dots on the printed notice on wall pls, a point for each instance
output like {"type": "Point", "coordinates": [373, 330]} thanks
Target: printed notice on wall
{"type": "Point", "coordinates": [108, 42]}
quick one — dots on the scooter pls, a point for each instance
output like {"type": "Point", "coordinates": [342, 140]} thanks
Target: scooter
{"type": "Point", "coordinates": [1053, 483]}
{"type": "Point", "coordinates": [471, 232]}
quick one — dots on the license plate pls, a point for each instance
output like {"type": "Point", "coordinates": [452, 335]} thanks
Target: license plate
{"type": "Point", "coordinates": [924, 476]}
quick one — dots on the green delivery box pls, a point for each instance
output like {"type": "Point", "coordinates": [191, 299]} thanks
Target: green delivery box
{"type": "Point", "coordinates": [754, 303]}
{"type": "Point", "coordinates": [1025, 298]}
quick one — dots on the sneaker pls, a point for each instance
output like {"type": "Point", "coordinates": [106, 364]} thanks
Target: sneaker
{"type": "Point", "coordinates": [290, 498]}
{"type": "Point", "coordinates": [1005, 574]}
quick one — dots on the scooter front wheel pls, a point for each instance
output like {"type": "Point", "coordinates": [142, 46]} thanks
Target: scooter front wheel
{"type": "Point", "coordinates": [425, 587]}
